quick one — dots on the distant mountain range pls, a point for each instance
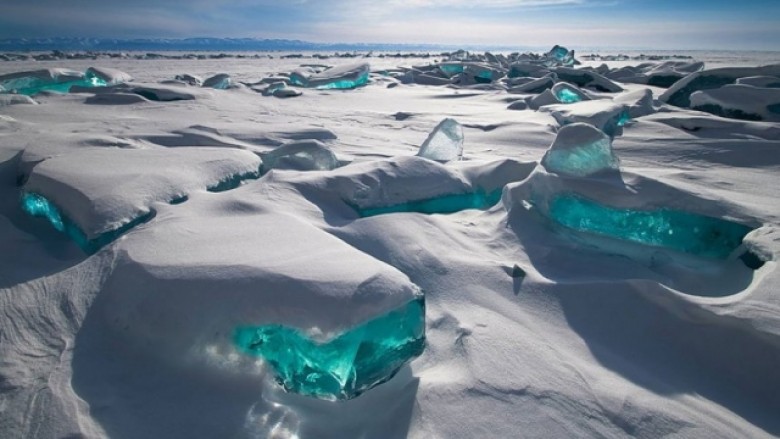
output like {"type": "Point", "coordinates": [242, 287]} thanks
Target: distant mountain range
{"type": "Point", "coordinates": [195, 44]}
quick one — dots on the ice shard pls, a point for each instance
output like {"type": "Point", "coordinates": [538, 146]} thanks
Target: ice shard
{"type": "Point", "coordinates": [345, 366]}
{"type": "Point", "coordinates": [444, 143]}
{"type": "Point", "coordinates": [677, 230]}
{"type": "Point", "coordinates": [580, 150]}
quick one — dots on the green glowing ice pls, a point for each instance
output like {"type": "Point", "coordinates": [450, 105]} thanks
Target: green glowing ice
{"type": "Point", "coordinates": [39, 206]}
{"type": "Point", "coordinates": [345, 84]}
{"type": "Point", "coordinates": [345, 366]}
{"type": "Point", "coordinates": [677, 230]}
{"type": "Point", "coordinates": [451, 69]}
{"type": "Point", "coordinates": [31, 85]}
{"type": "Point", "coordinates": [443, 204]}
{"type": "Point", "coordinates": [567, 96]}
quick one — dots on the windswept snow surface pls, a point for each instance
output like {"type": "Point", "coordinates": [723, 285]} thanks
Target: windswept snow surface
{"type": "Point", "coordinates": [636, 299]}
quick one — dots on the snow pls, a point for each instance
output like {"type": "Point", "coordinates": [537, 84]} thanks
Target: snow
{"type": "Point", "coordinates": [537, 324]}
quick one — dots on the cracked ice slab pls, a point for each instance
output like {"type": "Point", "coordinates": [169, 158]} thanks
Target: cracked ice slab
{"type": "Point", "coordinates": [101, 190]}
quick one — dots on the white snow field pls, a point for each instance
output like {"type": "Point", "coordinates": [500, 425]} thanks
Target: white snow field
{"type": "Point", "coordinates": [273, 255]}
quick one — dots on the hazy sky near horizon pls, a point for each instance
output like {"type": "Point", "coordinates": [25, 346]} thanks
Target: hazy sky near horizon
{"type": "Point", "coordinates": [660, 24]}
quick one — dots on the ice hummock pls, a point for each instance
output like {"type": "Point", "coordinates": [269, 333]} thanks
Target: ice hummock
{"type": "Point", "coordinates": [444, 143]}
{"type": "Point", "coordinates": [580, 150]}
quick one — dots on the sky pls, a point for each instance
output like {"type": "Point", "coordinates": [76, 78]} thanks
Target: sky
{"type": "Point", "coordinates": [639, 24]}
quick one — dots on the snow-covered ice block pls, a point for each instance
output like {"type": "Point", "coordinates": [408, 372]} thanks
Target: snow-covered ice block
{"type": "Point", "coordinates": [58, 80]}
{"type": "Point", "coordinates": [340, 77]}
{"type": "Point", "coordinates": [286, 93]}
{"type": "Point", "coordinates": [102, 190]}
{"type": "Point", "coordinates": [639, 102]}
{"type": "Point", "coordinates": [568, 93]}
{"type": "Point", "coordinates": [679, 94]}
{"type": "Point", "coordinates": [739, 101]}
{"type": "Point", "coordinates": [525, 69]}
{"type": "Point", "coordinates": [220, 81]}
{"type": "Point", "coordinates": [587, 79]}
{"type": "Point", "coordinates": [108, 76]}
{"type": "Point", "coordinates": [580, 150]}
{"type": "Point", "coordinates": [190, 79]}
{"type": "Point", "coordinates": [166, 93]}
{"type": "Point", "coordinates": [663, 74]}
{"type": "Point", "coordinates": [760, 81]}
{"type": "Point", "coordinates": [302, 155]}
{"type": "Point", "coordinates": [544, 98]}
{"type": "Point", "coordinates": [535, 86]}
{"type": "Point", "coordinates": [560, 55]}
{"type": "Point", "coordinates": [444, 143]}
{"type": "Point", "coordinates": [220, 276]}
{"type": "Point", "coordinates": [604, 114]}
